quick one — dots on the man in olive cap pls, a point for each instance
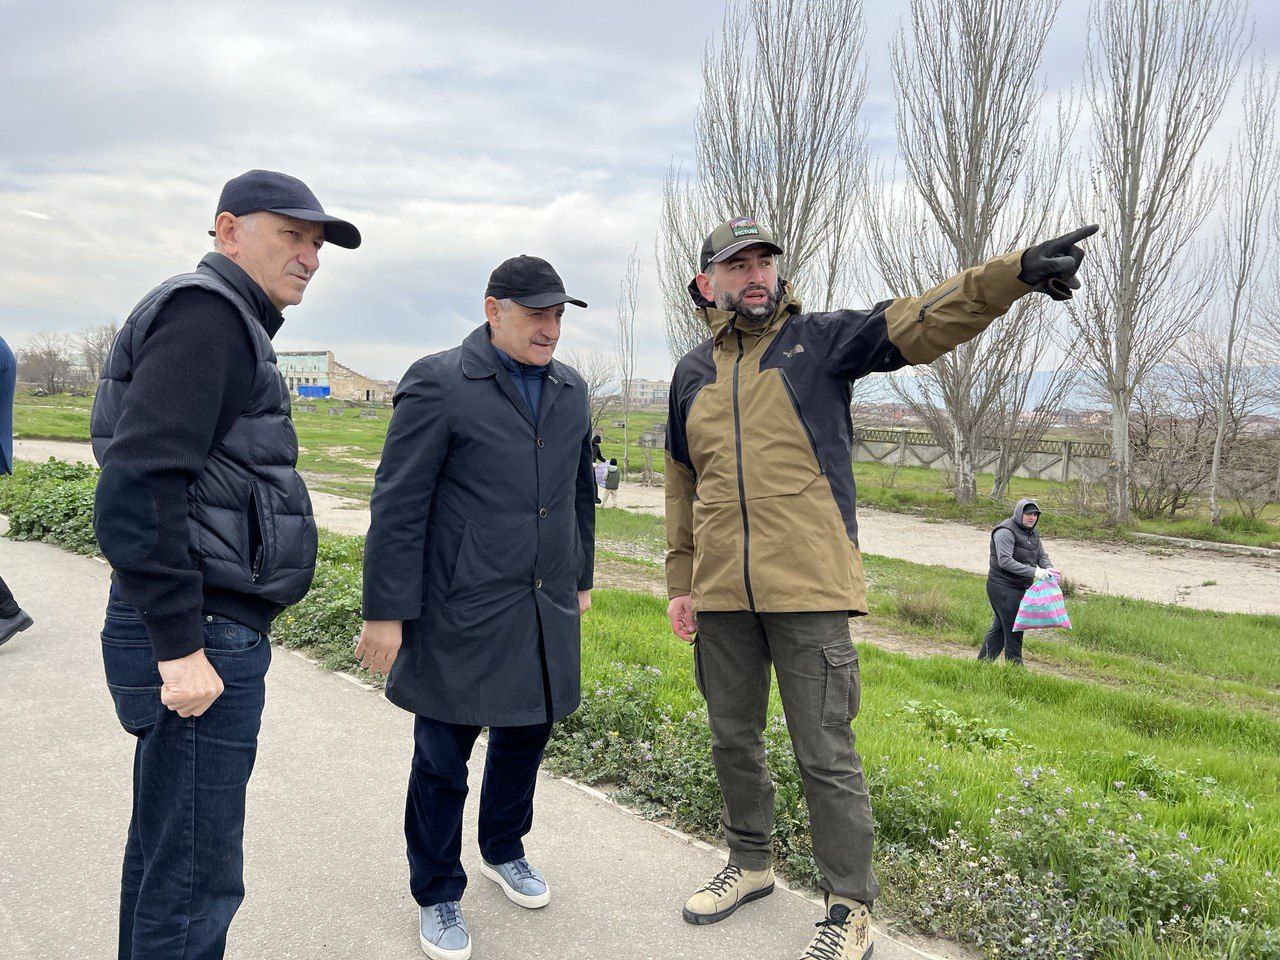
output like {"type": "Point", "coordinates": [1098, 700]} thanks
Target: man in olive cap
{"type": "Point", "coordinates": [209, 532]}
{"type": "Point", "coordinates": [763, 565]}
{"type": "Point", "coordinates": [475, 580]}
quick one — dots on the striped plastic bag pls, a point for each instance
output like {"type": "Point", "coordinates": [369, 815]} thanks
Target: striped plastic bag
{"type": "Point", "coordinates": [1042, 607]}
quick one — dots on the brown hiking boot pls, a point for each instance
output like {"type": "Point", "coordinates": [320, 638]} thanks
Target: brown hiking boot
{"type": "Point", "coordinates": [845, 933]}
{"type": "Point", "coordinates": [726, 892]}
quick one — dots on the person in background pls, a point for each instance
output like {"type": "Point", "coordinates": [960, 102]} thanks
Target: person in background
{"type": "Point", "coordinates": [13, 619]}
{"type": "Point", "coordinates": [601, 470]}
{"type": "Point", "coordinates": [596, 455]}
{"type": "Point", "coordinates": [611, 477]}
{"type": "Point", "coordinates": [1017, 561]}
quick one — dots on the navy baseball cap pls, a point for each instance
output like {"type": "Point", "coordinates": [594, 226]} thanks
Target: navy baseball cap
{"type": "Point", "coordinates": [285, 195]}
{"type": "Point", "coordinates": [530, 282]}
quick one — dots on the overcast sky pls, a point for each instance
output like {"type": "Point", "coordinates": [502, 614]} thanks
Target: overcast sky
{"type": "Point", "coordinates": [453, 135]}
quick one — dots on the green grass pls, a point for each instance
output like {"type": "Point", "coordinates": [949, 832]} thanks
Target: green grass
{"type": "Point", "coordinates": [1166, 736]}
{"type": "Point", "coordinates": [1084, 729]}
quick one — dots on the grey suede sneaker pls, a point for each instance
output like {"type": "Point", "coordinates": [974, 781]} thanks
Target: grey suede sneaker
{"type": "Point", "coordinates": [522, 883]}
{"type": "Point", "coordinates": [9, 626]}
{"type": "Point", "coordinates": [443, 933]}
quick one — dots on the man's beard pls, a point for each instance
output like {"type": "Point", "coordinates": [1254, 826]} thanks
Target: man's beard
{"type": "Point", "coordinates": [749, 314]}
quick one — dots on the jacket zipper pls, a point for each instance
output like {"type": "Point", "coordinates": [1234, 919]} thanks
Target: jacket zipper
{"type": "Point", "coordinates": [804, 422]}
{"type": "Point", "coordinates": [742, 489]}
{"type": "Point", "coordinates": [932, 303]}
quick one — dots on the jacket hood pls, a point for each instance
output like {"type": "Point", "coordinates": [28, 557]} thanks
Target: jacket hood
{"type": "Point", "coordinates": [1021, 508]}
{"type": "Point", "coordinates": [720, 321]}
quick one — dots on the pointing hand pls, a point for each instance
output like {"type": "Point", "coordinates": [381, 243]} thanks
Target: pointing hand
{"type": "Point", "coordinates": [1050, 267]}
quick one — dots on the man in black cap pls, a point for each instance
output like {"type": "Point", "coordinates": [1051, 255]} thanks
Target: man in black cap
{"type": "Point", "coordinates": [209, 532]}
{"type": "Point", "coordinates": [475, 580]}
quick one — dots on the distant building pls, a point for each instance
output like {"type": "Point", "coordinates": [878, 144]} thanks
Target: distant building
{"type": "Point", "coordinates": [322, 375]}
{"type": "Point", "coordinates": [648, 393]}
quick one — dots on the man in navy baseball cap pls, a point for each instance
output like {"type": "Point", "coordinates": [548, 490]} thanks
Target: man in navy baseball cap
{"type": "Point", "coordinates": [209, 531]}
{"type": "Point", "coordinates": [288, 196]}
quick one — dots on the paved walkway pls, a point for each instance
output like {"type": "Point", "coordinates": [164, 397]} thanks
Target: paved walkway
{"type": "Point", "coordinates": [326, 873]}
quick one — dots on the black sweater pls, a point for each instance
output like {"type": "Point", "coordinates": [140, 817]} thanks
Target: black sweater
{"type": "Point", "coordinates": [190, 379]}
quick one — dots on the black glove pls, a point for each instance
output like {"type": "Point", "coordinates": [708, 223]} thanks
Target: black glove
{"type": "Point", "coordinates": [1050, 267]}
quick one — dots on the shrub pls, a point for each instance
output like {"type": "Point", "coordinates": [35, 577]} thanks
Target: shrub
{"type": "Point", "coordinates": [52, 502]}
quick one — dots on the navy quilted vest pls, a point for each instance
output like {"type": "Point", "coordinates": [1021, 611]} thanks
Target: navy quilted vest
{"type": "Point", "coordinates": [249, 516]}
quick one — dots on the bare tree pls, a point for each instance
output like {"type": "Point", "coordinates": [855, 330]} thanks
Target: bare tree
{"type": "Point", "coordinates": [95, 344]}
{"type": "Point", "coordinates": [1158, 72]}
{"type": "Point", "coordinates": [628, 298]}
{"type": "Point", "coordinates": [599, 372]}
{"type": "Point", "coordinates": [1250, 177]}
{"type": "Point", "coordinates": [779, 138]}
{"type": "Point", "coordinates": [982, 178]}
{"type": "Point", "coordinates": [46, 359]}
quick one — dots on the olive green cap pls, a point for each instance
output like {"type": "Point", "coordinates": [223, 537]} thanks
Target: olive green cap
{"type": "Point", "coordinates": [737, 234]}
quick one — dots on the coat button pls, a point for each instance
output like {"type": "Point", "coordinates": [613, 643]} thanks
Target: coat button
{"type": "Point", "coordinates": [537, 584]}
{"type": "Point", "coordinates": [539, 441]}
{"type": "Point", "coordinates": [543, 513]}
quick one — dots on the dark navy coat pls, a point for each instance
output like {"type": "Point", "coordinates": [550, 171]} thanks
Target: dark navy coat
{"type": "Point", "coordinates": [482, 534]}
{"type": "Point", "coordinates": [8, 384]}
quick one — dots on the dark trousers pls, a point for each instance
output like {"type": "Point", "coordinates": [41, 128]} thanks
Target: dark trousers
{"type": "Point", "coordinates": [438, 791]}
{"type": "Point", "coordinates": [818, 678]}
{"type": "Point", "coordinates": [1005, 600]}
{"type": "Point", "coordinates": [8, 606]}
{"type": "Point", "coordinates": [183, 862]}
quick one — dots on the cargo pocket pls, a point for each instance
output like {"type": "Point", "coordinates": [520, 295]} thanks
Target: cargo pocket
{"type": "Point", "coordinates": [841, 689]}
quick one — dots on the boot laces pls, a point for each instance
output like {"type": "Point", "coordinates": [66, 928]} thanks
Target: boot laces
{"type": "Point", "coordinates": [830, 939]}
{"type": "Point", "coordinates": [723, 880]}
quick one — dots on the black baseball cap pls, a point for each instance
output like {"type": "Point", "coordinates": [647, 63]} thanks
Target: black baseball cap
{"type": "Point", "coordinates": [732, 236]}
{"type": "Point", "coordinates": [285, 195]}
{"type": "Point", "coordinates": [530, 282]}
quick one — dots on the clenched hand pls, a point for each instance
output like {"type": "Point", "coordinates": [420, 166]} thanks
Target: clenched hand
{"type": "Point", "coordinates": [189, 684]}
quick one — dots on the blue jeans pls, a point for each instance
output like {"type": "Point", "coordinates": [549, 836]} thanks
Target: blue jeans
{"type": "Point", "coordinates": [438, 790]}
{"type": "Point", "coordinates": [183, 863]}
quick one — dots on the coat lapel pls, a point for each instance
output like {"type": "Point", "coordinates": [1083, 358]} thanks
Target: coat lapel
{"type": "Point", "coordinates": [557, 380]}
{"type": "Point", "coordinates": [479, 361]}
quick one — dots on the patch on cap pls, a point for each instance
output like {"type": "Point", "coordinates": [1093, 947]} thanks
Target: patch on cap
{"type": "Point", "coordinates": [744, 227]}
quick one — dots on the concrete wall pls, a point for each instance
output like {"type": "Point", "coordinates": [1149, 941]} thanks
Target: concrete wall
{"type": "Point", "coordinates": [1052, 459]}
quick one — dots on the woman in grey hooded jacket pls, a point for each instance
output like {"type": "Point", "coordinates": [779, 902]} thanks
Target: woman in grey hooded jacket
{"type": "Point", "coordinates": [1017, 561]}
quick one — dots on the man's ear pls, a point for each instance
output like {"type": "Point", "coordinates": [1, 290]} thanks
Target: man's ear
{"type": "Point", "coordinates": [224, 229]}
{"type": "Point", "coordinates": [705, 288]}
{"type": "Point", "coordinates": [492, 311]}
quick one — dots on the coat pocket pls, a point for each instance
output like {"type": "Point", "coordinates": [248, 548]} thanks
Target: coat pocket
{"type": "Point", "coordinates": [842, 687]}
{"type": "Point", "coordinates": [261, 540]}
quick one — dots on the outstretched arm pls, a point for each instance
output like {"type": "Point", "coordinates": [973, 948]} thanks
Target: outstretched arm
{"type": "Point", "coordinates": [914, 330]}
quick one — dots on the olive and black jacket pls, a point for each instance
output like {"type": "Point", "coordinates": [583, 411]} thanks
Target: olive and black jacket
{"type": "Point", "coordinates": [760, 498]}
